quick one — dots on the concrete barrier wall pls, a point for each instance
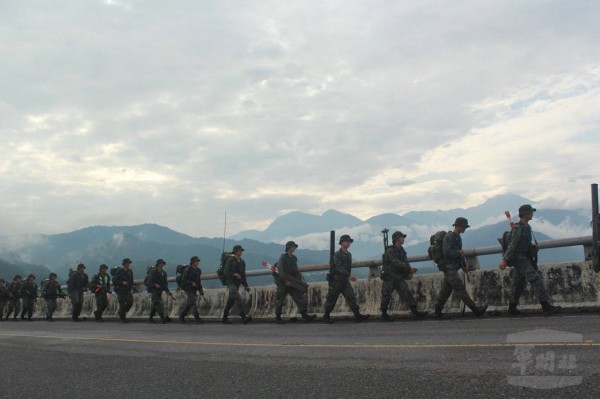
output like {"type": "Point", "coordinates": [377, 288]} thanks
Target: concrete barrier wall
{"type": "Point", "coordinates": [569, 284]}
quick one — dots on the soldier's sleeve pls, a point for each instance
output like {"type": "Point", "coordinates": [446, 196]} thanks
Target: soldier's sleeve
{"type": "Point", "coordinates": [451, 251]}
{"type": "Point", "coordinates": [396, 262]}
{"type": "Point", "coordinates": [515, 237]}
{"type": "Point", "coordinates": [281, 267]}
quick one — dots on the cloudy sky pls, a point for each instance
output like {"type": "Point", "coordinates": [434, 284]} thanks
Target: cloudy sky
{"type": "Point", "coordinates": [121, 112]}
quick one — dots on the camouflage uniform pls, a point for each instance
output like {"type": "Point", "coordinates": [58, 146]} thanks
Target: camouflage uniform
{"type": "Point", "coordinates": [158, 277]}
{"type": "Point", "coordinates": [235, 266]}
{"type": "Point", "coordinates": [29, 293]}
{"type": "Point", "coordinates": [519, 254]}
{"type": "Point", "coordinates": [100, 286]}
{"type": "Point", "coordinates": [395, 269]}
{"type": "Point", "coordinates": [288, 266]}
{"type": "Point", "coordinates": [52, 290]}
{"type": "Point", "coordinates": [339, 282]}
{"type": "Point", "coordinates": [14, 303]}
{"type": "Point", "coordinates": [4, 297]}
{"type": "Point", "coordinates": [190, 277]}
{"type": "Point", "coordinates": [124, 295]}
{"type": "Point", "coordinates": [452, 280]}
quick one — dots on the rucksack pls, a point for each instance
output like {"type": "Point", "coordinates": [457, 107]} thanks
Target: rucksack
{"type": "Point", "coordinates": [435, 251]}
{"type": "Point", "coordinates": [221, 270]}
{"type": "Point", "coordinates": [505, 241]}
{"type": "Point", "coordinates": [43, 285]}
{"type": "Point", "coordinates": [179, 274]}
{"type": "Point", "coordinates": [149, 271]}
{"type": "Point", "coordinates": [70, 280]}
{"type": "Point", "coordinates": [113, 273]}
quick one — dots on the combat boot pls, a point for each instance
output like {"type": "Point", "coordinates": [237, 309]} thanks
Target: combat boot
{"type": "Point", "coordinates": [479, 311]}
{"type": "Point", "coordinates": [96, 316]}
{"type": "Point", "coordinates": [246, 319]}
{"type": "Point", "coordinates": [441, 316]}
{"type": "Point", "coordinates": [385, 316]}
{"type": "Point", "coordinates": [226, 317]}
{"type": "Point", "coordinates": [416, 314]}
{"type": "Point", "coordinates": [279, 320]}
{"type": "Point", "coordinates": [513, 311]}
{"type": "Point", "coordinates": [151, 319]}
{"type": "Point", "coordinates": [198, 319]}
{"type": "Point", "coordinates": [327, 319]}
{"type": "Point", "coordinates": [360, 317]}
{"type": "Point", "coordinates": [549, 309]}
{"type": "Point", "coordinates": [308, 317]}
{"type": "Point", "coordinates": [182, 319]}
{"type": "Point", "coordinates": [163, 320]}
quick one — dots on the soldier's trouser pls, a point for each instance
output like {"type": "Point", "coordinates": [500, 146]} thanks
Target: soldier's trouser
{"type": "Point", "coordinates": [28, 304]}
{"type": "Point", "coordinates": [401, 286]}
{"type": "Point", "coordinates": [50, 306]}
{"type": "Point", "coordinates": [523, 273]}
{"type": "Point", "coordinates": [191, 303]}
{"type": "Point", "coordinates": [125, 302]}
{"type": "Point", "coordinates": [337, 286]}
{"type": "Point", "coordinates": [2, 306]}
{"type": "Point", "coordinates": [234, 299]}
{"type": "Point", "coordinates": [297, 296]}
{"type": "Point", "coordinates": [157, 303]}
{"type": "Point", "coordinates": [453, 282]}
{"type": "Point", "coordinates": [14, 305]}
{"type": "Point", "coordinates": [77, 302]}
{"type": "Point", "coordinates": [101, 303]}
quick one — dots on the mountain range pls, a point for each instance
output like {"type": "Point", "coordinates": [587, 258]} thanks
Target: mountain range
{"type": "Point", "coordinates": [146, 243]}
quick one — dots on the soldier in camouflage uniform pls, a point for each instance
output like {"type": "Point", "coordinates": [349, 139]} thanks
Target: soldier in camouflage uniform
{"type": "Point", "coordinates": [235, 274]}
{"type": "Point", "coordinates": [520, 255]}
{"type": "Point", "coordinates": [191, 283]}
{"type": "Point", "coordinates": [454, 256]}
{"type": "Point", "coordinates": [100, 286]}
{"type": "Point", "coordinates": [339, 279]}
{"type": "Point", "coordinates": [158, 284]}
{"type": "Point", "coordinates": [14, 301]}
{"type": "Point", "coordinates": [290, 281]}
{"type": "Point", "coordinates": [77, 285]}
{"type": "Point", "coordinates": [123, 287]}
{"type": "Point", "coordinates": [396, 270]}
{"type": "Point", "coordinates": [29, 292]}
{"type": "Point", "coordinates": [51, 291]}
{"type": "Point", "coordinates": [4, 296]}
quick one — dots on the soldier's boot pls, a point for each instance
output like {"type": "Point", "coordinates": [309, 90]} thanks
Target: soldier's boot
{"type": "Point", "coordinates": [198, 319]}
{"type": "Point", "coordinates": [245, 319]}
{"type": "Point", "coordinates": [151, 318]}
{"type": "Point", "coordinates": [479, 311]}
{"type": "Point", "coordinates": [182, 318]}
{"type": "Point", "coordinates": [416, 314]}
{"type": "Point", "coordinates": [226, 317]}
{"type": "Point", "coordinates": [439, 315]}
{"type": "Point", "coordinates": [549, 309]}
{"type": "Point", "coordinates": [385, 316]}
{"type": "Point", "coordinates": [513, 311]}
{"type": "Point", "coordinates": [327, 318]}
{"type": "Point", "coordinates": [360, 317]}
{"type": "Point", "coordinates": [163, 319]}
{"type": "Point", "coordinates": [96, 316]}
{"type": "Point", "coordinates": [308, 317]}
{"type": "Point", "coordinates": [279, 320]}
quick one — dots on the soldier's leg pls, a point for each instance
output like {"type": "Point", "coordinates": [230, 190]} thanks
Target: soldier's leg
{"type": "Point", "coordinates": [518, 285]}
{"type": "Point", "coordinates": [405, 293]}
{"type": "Point", "coordinates": [299, 299]}
{"type": "Point", "coordinates": [128, 301]}
{"type": "Point", "coordinates": [461, 291]}
{"type": "Point", "coordinates": [2, 306]}
{"type": "Point", "coordinates": [30, 309]}
{"type": "Point", "coordinates": [10, 307]}
{"type": "Point", "coordinates": [387, 289]}
{"type": "Point", "coordinates": [186, 307]}
{"type": "Point", "coordinates": [122, 298]}
{"type": "Point", "coordinates": [350, 296]}
{"type": "Point", "coordinates": [24, 308]}
{"type": "Point", "coordinates": [332, 296]}
{"type": "Point", "coordinates": [156, 302]}
{"type": "Point", "coordinates": [445, 293]}
{"type": "Point", "coordinates": [280, 295]}
{"type": "Point", "coordinates": [534, 277]}
{"type": "Point", "coordinates": [101, 304]}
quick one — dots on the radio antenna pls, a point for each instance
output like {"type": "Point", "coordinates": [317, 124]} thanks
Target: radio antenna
{"type": "Point", "coordinates": [224, 231]}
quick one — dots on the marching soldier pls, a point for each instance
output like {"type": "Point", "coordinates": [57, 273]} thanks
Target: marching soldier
{"type": "Point", "coordinates": [235, 274]}
{"type": "Point", "coordinates": [396, 270]}
{"type": "Point", "coordinates": [520, 255]}
{"type": "Point", "coordinates": [158, 284]}
{"type": "Point", "coordinates": [14, 301]}
{"type": "Point", "coordinates": [50, 292]}
{"type": "Point", "coordinates": [123, 286]}
{"type": "Point", "coordinates": [290, 281]}
{"type": "Point", "coordinates": [454, 256]}
{"type": "Point", "coordinates": [100, 286]}
{"type": "Point", "coordinates": [192, 284]}
{"type": "Point", "coordinates": [339, 279]}
{"type": "Point", "coordinates": [29, 295]}
{"type": "Point", "coordinates": [77, 285]}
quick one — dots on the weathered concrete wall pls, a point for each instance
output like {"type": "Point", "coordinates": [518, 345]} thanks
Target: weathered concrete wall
{"type": "Point", "coordinates": [569, 284]}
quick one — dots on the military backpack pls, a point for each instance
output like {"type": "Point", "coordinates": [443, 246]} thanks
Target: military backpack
{"type": "Point", "coordinates": [147, 283]}
{"type": "Point", "coordinates": [221, 270]}
{"type": "Point", "coordinates": [179, 275]}
{"type": "Point", "coordinates": [435, 251]}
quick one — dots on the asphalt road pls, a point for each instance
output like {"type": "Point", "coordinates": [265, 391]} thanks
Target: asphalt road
{"type": "Point", "coordinates": [462, 357]}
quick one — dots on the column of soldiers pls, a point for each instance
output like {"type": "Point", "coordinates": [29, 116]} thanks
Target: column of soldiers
{"type": "Point", "coordinates": [396, 272]}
